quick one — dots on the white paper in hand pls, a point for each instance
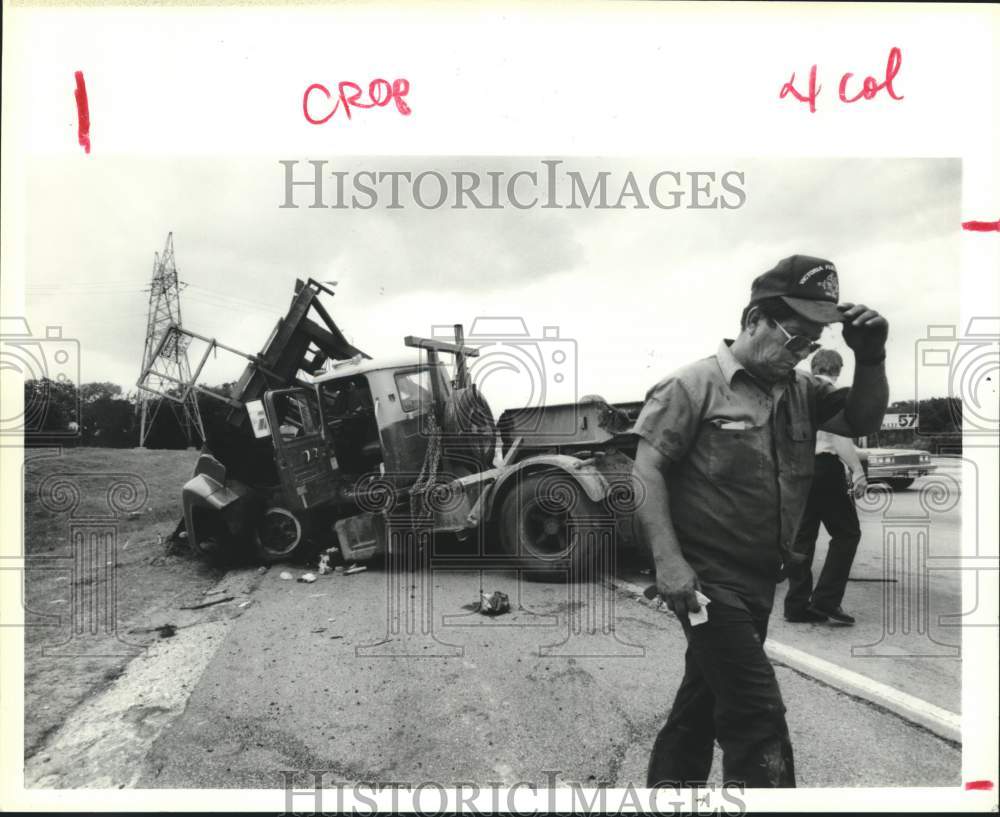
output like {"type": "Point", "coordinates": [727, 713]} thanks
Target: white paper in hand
{"type": "Point", "coordinates": [702, 615]}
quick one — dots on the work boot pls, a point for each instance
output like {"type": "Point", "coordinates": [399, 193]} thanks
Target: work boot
{"type": "Point", "coordinates": [807, 616]}
{"type": "Point", "coordinates": [838, 615]}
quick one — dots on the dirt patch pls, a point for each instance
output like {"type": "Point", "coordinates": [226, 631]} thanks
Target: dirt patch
{"type": "Point", "coordinates": [102, 579]}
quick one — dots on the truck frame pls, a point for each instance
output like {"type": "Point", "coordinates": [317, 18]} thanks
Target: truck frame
{"type": "Point", "coordinates": [340, 453]}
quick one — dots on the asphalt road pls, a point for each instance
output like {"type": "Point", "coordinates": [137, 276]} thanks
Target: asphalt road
{"type": "Point", "coordinates": [907, 608]}
{"type": "Point", "coordinates": [307, 679]}
{"type": "Point", "coordinates": [372, 680]}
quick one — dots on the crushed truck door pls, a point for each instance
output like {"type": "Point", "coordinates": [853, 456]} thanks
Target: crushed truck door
{"type": "Point", "coordinates": [302, 453]}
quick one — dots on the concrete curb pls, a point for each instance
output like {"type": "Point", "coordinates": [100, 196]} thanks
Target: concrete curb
{"type": "Point", "coordinates": [941, 722]}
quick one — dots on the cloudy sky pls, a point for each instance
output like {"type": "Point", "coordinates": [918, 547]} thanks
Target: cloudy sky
{"type": "Point", "coordinates": [637, 292]}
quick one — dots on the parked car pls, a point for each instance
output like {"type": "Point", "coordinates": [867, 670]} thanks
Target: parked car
{"type": "Point", "coordinates": [895, 467]}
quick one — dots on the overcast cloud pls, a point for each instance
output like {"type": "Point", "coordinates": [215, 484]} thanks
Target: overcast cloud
{"type": "Point", "coordinates": [639, 291]}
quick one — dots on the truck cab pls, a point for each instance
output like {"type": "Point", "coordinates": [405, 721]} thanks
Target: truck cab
{"type": "Point", "coordinates": [360, 419]}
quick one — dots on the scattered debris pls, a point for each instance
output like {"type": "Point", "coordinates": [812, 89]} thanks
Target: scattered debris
{"type": "Point", "coordinates": [134, 515]}
{"type": "Point", "coordinates": [336, 636]}
{"type": "Point", "coordinates": [319, 630]}
{"type": "Point", "coordinates": [285, 576]}
{"type": "Point", "coordinates": [494, 604]}
{"type": "Point", "coordinates": [182, 535]}
{"type": "Point", "coordinates": [263, 569]}
{"type": "Point", "coordinates": [338, 569]}
{"type": "Point", "coordinates": [308, 578]}
{"type": "Point", "coordinates": [163, 630]}
{"type": "Point", "coordinates": [207, 603]}
{"type": "Point", "coordinates": [246, 603]}
{"type": "Point", "coordinates": [355, 568]}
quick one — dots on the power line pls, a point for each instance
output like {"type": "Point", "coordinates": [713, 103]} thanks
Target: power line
{"type": "Point", "coordinates": [230, 297]}
{"type": "Point", "coordinates": [225, 304]}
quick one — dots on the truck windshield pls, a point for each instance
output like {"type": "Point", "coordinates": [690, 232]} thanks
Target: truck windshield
{"type": "Point", "coordinates": [414, 389]}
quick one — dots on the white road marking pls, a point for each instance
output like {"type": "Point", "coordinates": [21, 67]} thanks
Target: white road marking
{"type": "Point", "coordinates": [103, 743]}
{"type": "Point", "coordinates": [941, 722]}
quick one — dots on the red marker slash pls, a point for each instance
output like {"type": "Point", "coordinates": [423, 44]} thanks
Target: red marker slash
{"type": "Point", "coordinates": [82, 112]}
{"type": "Point", "coordinates": [979, 785]}
{"type": "Point", "coordinates": [982, 226]}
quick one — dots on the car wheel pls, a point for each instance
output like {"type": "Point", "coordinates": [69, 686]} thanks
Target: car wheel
{"type": "Point", "coordinates": [278, 535]}
{"type": "Point", "coordinates": [899, 484]}
{"type": "Point", "coordinates": [543, 524]}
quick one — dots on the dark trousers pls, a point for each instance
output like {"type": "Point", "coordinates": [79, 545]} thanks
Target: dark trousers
{"type": "Point", "coordinates": [830, 504]}
{"type": "Point", "coordinates": [729, 693]}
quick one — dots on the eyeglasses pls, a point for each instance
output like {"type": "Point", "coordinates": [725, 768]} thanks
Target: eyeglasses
{"type": "Point", "coordinates": [797, 344]}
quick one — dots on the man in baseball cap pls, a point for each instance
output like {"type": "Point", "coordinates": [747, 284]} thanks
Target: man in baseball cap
{"type": "Point", "coordinates": [725, 458]}
{"type": "Point", "coordinates": [808, 285]}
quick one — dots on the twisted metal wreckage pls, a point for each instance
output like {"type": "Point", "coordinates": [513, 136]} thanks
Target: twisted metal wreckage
{"type": "Point", "coordinates": [322, 443]}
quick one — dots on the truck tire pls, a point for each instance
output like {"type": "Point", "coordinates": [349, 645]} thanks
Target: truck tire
{"type": "Point", "coordinates": [278, 535]}
{"type": "Point", "coordinates": [899, 484]}
{"type": "Point", "coordinates": [543, 521]}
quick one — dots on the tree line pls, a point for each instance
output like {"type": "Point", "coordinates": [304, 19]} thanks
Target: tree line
{"type": "Point", "coordinates": [102, 414]}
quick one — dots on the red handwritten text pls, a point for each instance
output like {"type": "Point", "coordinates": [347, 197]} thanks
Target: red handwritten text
{"type": "Point", "coordinates": [982, 226]}
{"type": "Point", "coordinates": [810, 97]}
{"type": "Point", "coordinates": [82, 113]}
{"type": "Point", "coordinates": [979, 785]}
{"type": "Point", "coordinates": [870, 88]}
{"type": "Point", "coordinates": [316, 99]}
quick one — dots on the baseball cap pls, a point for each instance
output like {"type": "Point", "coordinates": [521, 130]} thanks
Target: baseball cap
{"type": "Point", "coordinates": [809, 285]}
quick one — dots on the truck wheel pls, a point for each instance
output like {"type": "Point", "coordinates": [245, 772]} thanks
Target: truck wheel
{"type": "Point", "coordinates": [899, 484]}
{"type": "Point", "coordinates": [278, 535]}
{"type": "Point", "coordinates": [543, 523]}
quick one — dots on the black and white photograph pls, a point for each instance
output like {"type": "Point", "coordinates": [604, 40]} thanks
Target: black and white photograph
{"type": "Point", "coordinates": [434, 479]}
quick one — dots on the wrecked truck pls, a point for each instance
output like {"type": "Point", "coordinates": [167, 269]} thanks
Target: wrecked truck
{"type": "Point", "coordinates": [359, 447]}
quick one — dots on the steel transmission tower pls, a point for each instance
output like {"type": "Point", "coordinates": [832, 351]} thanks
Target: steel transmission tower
{"type": "Point", "coordinates": [169, 365]}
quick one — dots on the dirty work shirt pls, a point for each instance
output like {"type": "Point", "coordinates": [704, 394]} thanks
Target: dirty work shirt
{"type": "Point", "coordinates": [741, 461]}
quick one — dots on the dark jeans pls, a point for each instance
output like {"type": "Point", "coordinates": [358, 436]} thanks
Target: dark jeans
{"type": "Point", "coordinates": [830, 504]}
{"type": "Point", "coordinates": [728, 693]}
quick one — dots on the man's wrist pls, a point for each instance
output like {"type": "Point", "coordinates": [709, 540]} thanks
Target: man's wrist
{"type": "Point", "coordinates": [870, 360]}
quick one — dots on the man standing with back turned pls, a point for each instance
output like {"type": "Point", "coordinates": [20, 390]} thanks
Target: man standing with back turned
{"type": "Point", "coordinates": [831, 502]}
{"type": "Point", "coordinates": [725, 460]}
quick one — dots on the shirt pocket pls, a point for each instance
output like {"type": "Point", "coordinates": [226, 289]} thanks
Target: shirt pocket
{"type": "Point", "coordinates": [735, 455]}
{"type": "Point", "coordinates": [800, 448]}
